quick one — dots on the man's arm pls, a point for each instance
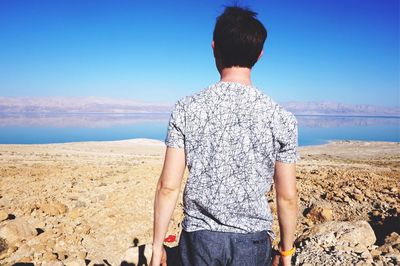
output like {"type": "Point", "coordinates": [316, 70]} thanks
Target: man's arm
{"type": "Point", "coordinates": [166, 196]}
{"type": "Point", "coordinates": [286, 200]}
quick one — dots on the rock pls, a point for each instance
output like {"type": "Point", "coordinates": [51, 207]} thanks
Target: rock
{"type": "Point", "coordinates": [376, 213]}
{"type": "Point", "coordinates": [25, 260]}
{"type": "Point", "coordinates": [52, 263]}
{"type": "Point", "coordinates": [75, 213]}
{"type": "Point", "coordinates": [359, 249]}
{"type": "Point", "coordinates": [375, 252]}
{"type": "Point", "coordinates": [368, 194]}
{"type": "Point", "coordinates": [320, 214]}
{"type": "Point", "coordinates": [3, 215]}
{"type": "Point", "coordinates": [348, 200]}
{"type": "Point", "coordinates": [40, 247]}
{"type": "Point", "coordinates": [343, 248]}
{"type": "Point", "coordinates": [395, 258]}
{"type": "Point", "coordinates": [386, 249]}
{"type": "Point", "coordinates": [314, 172]}
{"type": "Point", "coordinates": [390, 249]}
{"type": "Point", "coordinates": [309, 222]}
{"type": "Point", "coordinates": [96, 262]}
{"type": "Point", "coordinates": [392, 239]}
{"type": "Point", "coordinates": [330, 242]}
{"type": "Point", "coordinates": [23, 254]}
{"type": "Point", "coordinates": [61, 255]}
{"type": "Point", "coordinates": [53, 208]}
{"type": "Point", "coordinates": [49, 256]}
{"type": "Point", "coordinates": [358, 233]}
{"type": "Point", "coordinates": [82, 254]}
{"type": "Point", "coordinates": [80, 204]}
{"type": "Point", "coordinates": [82, 229]}
{"type": "Point", "coordinates": [74, 262]}
{"type": "Point", "coordinates": [8, 252]}
{"type": "Point", "coordinates": [50, 244]}
{"type": "Point", "coordinates": [359, 197]}
{"type": "Point", "coordinates": [17, 230]}
{"type": "Point", "coordinates": [3, 245]}
{"type": "Point", "coordinates": [388, 199]}
{"type": "Point", "coordinates": [366, 255]}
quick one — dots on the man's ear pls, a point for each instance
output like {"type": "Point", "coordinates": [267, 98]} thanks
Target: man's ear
{"type": "Point", "coordinates": [261, 54]}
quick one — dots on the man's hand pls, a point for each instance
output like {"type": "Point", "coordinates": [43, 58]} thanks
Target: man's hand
{"type": "Point", "coordinates": [282, 261]}
{"type": "Point", "coordinates": [159, 257]}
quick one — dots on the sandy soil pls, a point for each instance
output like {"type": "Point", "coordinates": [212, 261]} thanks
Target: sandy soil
{"type": "Point", "coordinates": [94, 200]}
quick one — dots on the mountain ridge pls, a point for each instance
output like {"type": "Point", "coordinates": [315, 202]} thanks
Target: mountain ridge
{"type": "Point", "coordinates": [90, 104]}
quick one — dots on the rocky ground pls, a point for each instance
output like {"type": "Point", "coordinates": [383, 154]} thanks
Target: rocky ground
{"type": "Point", "coordinates": [91, 203]}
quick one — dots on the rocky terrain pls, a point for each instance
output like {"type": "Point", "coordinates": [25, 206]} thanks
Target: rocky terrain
{"type": "Point", "coordinates": [91, 203]}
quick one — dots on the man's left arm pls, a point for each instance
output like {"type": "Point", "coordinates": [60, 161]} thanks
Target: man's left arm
{"type": "Point", "coordinates": [166, 197]}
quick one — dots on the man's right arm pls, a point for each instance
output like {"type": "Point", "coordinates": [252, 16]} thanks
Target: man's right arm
{"type": "Point", "coordinates": [286, 200]}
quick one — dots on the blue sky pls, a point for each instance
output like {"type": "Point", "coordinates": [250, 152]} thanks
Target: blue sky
{"type": "Point", "coordinates": [343, 50]}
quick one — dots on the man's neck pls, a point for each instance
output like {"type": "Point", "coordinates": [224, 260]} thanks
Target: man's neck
{"type": "Point", "coordinates": [236, 74]}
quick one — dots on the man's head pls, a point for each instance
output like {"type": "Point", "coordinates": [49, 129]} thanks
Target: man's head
{"type": "Point", "coordinates": [238, 38]}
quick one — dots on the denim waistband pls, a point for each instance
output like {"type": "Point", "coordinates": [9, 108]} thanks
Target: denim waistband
{"type": "Point", "coordinates": [250, 235]}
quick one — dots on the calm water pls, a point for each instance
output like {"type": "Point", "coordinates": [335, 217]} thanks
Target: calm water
{"type": "Point", "coordinates": [56, 128]}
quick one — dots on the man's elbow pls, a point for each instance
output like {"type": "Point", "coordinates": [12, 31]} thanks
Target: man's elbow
{"type": "Point", "coordinates": [167, 189]}
{"type": "Point", "coordinates": [288, 198]}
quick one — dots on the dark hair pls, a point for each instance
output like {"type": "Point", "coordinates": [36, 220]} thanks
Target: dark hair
{"type": "Point", "coordinates": [238, 37]}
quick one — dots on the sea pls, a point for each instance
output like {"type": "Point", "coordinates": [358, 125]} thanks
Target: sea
{"type": "Point", "coordinates": [22, 128]}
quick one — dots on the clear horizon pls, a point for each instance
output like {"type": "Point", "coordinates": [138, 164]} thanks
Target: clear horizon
{"type": "Point", "coordinates": [337, 51]}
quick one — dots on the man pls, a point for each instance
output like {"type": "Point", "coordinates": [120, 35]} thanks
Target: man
{"type": "Point", "coordinates": [236, 142]}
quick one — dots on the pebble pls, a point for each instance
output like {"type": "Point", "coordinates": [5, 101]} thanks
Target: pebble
{"type": "Point", "coordinates": [3, 215]}
{"type": "Point", "coordinates": [53, 208]}
{"type": "Point", "coordinates": [375, 252]}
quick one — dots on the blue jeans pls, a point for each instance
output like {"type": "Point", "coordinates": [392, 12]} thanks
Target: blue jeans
{"type": "Point", "coordinates": [206, 247]}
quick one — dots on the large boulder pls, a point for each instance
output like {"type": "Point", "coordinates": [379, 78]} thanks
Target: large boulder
{"type": "Point", "coordinates": [336, 242]}
{"type": "Point", "coordinates": [351, 233]}
{"type": "Point", "coordinates": [17, 230]}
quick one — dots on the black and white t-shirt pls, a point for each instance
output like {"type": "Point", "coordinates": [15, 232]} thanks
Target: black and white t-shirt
{"type": "Point", "coordinates": [232, 135]}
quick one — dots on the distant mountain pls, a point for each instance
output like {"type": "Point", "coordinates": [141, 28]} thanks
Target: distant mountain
{"type": "Point", "coordinates": [334, 108]}
{"type": "Point", "coordinates": [93, 120]}
{"type": "Point", "coordinates": [98, 105]}
{"type": "Point", "coordinates": [78, 105]}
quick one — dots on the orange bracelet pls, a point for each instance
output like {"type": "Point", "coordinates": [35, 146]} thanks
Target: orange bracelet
{"type": "Point", "coordinates": [289, 252]}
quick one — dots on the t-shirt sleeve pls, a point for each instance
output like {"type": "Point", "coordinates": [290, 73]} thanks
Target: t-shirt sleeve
{"type": "Point", "coordinates": [175, 134]}
{"type": "Point", "coordinates": [286, 136]}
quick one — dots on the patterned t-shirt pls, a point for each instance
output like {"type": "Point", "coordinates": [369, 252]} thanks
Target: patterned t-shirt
{"type": "Point", "coordinates": [232, 135]}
